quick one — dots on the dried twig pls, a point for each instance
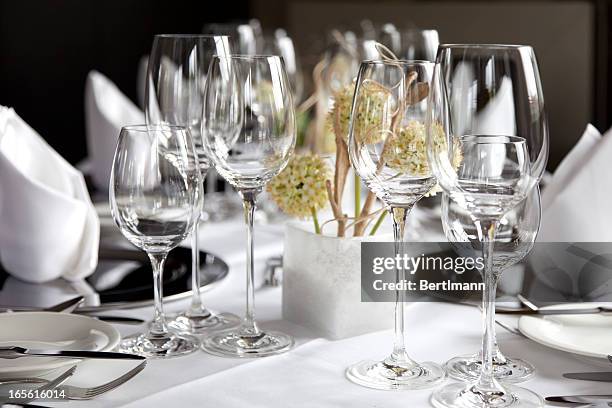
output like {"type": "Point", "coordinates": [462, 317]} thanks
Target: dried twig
{"type": "Point", "coordinates": [340, 218]}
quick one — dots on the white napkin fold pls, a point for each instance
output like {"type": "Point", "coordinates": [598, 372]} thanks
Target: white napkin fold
{"type": "Point", "coordinates": [48, 225]}
{"type": "Point", "coordinates": [576, 203]}
{"type": "Point", "coordinates": [107, 109]}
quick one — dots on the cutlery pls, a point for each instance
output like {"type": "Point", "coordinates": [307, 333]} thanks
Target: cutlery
{"type": "Point", "coordinates": [51, 385]}
{"type": "Point", "coordinates": [605, 376]}
{"type": "Point", "coordinates": [581, 400]}
{"type": "Point", "coordinates": [508, 328]}
{"type": "Point", "coordinates": [84, 393]}
{"type": "Point", "coordinates": [16, 352]}
{"type": "Point", "coordinates": [67, 306]}
{"type": "Point", "coordinates": [22, 406]}
{"type": "Point", "coordinates": [117, 319]}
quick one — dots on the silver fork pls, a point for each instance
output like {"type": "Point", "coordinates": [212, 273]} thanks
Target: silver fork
{"type": "Point", "coordinates": [84, 393]}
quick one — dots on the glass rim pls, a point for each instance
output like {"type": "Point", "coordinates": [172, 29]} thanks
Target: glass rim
{"type": "Point", "coordinates": [247, 56]}
{"type": "Point", "coordinates": [484, 139]}
{"type": "Point", "coordinates": [143, 127]}
{"type": "Point", "coordinates": [190, 35]}
{"type": "Point", "coordinates": [397, 61]}
{"type": "Point", "coordinates": [484, 46]}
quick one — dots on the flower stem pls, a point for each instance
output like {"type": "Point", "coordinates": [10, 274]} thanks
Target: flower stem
{"type": "Point", "coordinates": [379, 221]}
{"type": "Point", "coordinates": [315, 220]}
{"type": "Point", "coordinates": [357, 195]}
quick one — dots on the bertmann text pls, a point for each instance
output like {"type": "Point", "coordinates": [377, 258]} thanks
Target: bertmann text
{"type": "Point", "coordinates": [411, 264]}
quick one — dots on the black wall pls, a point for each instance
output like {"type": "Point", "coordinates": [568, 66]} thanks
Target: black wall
{"type": "Point", "coordinates": [48, 47]}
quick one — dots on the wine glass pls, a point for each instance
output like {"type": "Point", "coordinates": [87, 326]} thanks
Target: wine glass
{"type": "Point", "coordinates": [249, 133]}
{"type": "Point", "coordinates": [486, 108]}
{"type": "Point", "coordinates": [420, 44]}
{"type": "Point", "coordinates": [174, 95]}
{"type": "Point", "coordinates": [282, 45]}
{"type": "Point", "coordinates": [387, 150]}
{"type": "Point", "coordinates": [515, 238]}
{"type": "Point", "coordinates": [155, 194]}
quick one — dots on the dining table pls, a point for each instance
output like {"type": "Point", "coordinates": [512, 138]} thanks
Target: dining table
{"type": "Point", "coordinates": [312, 374]}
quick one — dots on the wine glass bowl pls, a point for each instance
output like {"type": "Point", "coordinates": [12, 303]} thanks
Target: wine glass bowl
{"type": "Point", "coordinates": [155, 195]}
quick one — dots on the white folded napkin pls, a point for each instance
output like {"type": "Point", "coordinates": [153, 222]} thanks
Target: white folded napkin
{"type": "Point", "coordinates": [107, 110]}
{"type": "Point", "coordinates": [48, 225]}
{"type": "Point", "coordinates": [576, 202]}
{"type": "Point", "coordinates": [576, 224]}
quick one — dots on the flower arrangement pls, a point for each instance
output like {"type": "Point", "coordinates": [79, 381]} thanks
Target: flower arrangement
{"type": "Point", "coordinates": [303, 188]}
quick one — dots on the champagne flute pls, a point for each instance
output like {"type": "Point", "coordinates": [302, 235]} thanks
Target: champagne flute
{"type": "Point", "coordinates": [249, 134]}
{"type": "Point", "coordinates": [386, 148]}
{"type": "Point", "coordinates": [486, 105]}
{"type": "Point", "coordinates": [174, 95]}
{"type": "Point", "coordinates": [155, 193]}
{"type": "Point", "coordinates": [515, 238]}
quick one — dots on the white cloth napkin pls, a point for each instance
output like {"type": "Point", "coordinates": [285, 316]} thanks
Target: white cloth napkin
{"type": "Point", "coordinates": [107, 110]}
{"type": "Point", "coordinates": [576, 223]}
{"type": "Point", "coordinates": [48, 225]}
{"type": "Point", "coordinates": [576, 202]}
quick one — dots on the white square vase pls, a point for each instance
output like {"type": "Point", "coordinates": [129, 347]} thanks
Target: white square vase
{"type": "Point", "coordinates": [322, 284]}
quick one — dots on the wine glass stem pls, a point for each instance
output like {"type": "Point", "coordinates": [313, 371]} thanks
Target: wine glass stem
{"type": "Point", "coordinates": [158, 326]}
{"type": "Point", "coordinates": [196, 298]}
{"type": "Point", "coordinates": [486, 381]}
{"type": "Point", "coordinates": [248, 201]}
{"type": "Point", "coordinates": [399, 354]}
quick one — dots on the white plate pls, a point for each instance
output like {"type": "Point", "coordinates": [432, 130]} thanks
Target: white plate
{"type": "Point", "coordinates": [51, 331]}
{"type": "Point", "coordinates": [588, 335]}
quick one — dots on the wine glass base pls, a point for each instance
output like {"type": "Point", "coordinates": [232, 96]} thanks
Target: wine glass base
{"type": "Point", "coordinates": [379, 375]}
{"type": "Point", "coordinates": [461, 395]}
{"type": "Point", "coordinates": [198, 324]}
{"type": "Point", "coordinates": [233, 343]}
{"type": "Point", "coordinates": [468, 368]}
{"type": "Point", "coordinates": [168, 346]}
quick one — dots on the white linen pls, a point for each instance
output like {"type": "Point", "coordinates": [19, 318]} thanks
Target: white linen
{"type": "Point", "coordinates": [48, 225]}
{"type": "Point", "coordinates": [311, 375]}
{"type": "Point", "coordinates": [107, 110]}
{"type": "Point", "coordinates": [578, 201]}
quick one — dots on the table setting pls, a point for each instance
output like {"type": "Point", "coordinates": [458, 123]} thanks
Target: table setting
{"type": "Point", "coordinates": [210, 250]}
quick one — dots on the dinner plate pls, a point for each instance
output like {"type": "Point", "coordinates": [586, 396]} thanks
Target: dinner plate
{"type": "Point", "coordinates": [51, 331]}
{"type": "Point", "coordinates": [588, 335]}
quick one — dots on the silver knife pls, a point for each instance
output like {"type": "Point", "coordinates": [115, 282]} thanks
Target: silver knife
{"type": "Point", "coordinates": [22, 406]}
{"type": "Point", "coordinates": [605, 376]}
{"type": "Point", "coordinates": [16, 352]}
{"type": "Point", "coordinates": [579, 400]}
{"type": "Point", "coordinates": [549, 312]}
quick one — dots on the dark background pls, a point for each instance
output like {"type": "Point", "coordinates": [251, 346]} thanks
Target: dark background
{"type": "Point", "coordinates": [47, 47]}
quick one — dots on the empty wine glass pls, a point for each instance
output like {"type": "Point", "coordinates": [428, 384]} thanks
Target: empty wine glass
{"type": "Point", "coordinates": [486, 107]}
{"type": "Point", "coordinates": [174, 95]}
{"type": "Point", "coordinates": [155, 194]}
{"type": "Point", "coordinates": [420, 44]}
{"type": "Point", "coordinates": [514, 239]}
{"type": "Point", "coordinates": [387, 149]}
{"type": "Point", "coordinates": [249, 133]}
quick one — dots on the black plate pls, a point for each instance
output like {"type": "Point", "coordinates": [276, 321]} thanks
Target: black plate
{"type": "Point", "coordinates": [124, 279]}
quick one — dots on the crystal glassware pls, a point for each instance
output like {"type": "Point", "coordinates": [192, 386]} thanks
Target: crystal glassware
{"type": "Point", "coordinates": [487, 144]}
{"type": "Point", "coordinates": [387, 149]}
{"type": "Point", "coordinates": [174, 95]}
{"type": "Point", "coordinates": [514, 239]}
{"type": "Point", "coordinates": [155, 194]}
{"type": "Point", "coordinates": [249, 134]}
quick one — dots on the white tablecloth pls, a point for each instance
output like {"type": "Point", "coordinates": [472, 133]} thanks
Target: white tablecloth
{"type": "Point", "coordinates": [311, 375]}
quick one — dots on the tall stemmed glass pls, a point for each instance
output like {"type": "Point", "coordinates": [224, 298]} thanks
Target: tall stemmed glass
{"type": "Point", "coordinates": [387, 150]}
{"type": "Point", "coordinates": [173, 95]}
{"type": "Point", "coordinates": [486, 103]}
{"type": "Point", "coordinates": [155, 193]}
{"type": "Point", "coordinates": [515, 238]}
{"type": "Point", "coordinates": [249, 133]}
